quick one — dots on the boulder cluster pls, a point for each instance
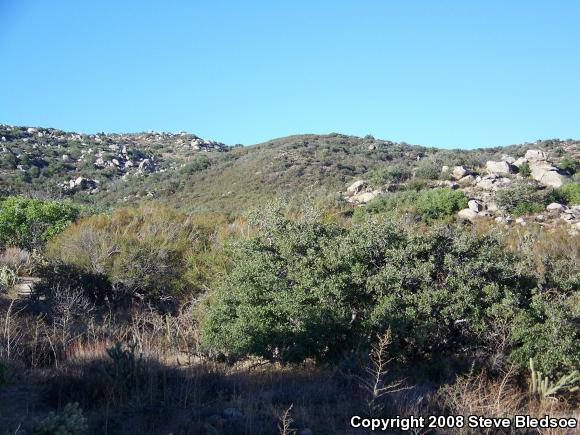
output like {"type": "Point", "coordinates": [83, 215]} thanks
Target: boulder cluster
{"type": "Point", "coordinates": [481, 187]}
{"type": "Point", "coordinates": [121, 154]}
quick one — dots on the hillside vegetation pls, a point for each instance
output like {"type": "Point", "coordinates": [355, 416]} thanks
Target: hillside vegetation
{"type": "Point", "coordinates": [185, 171]}
{"type": "Point", "coordinates": [159, 283]}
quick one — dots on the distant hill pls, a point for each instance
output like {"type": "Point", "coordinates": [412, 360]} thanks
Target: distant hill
{"type": "Point", "coordinates": [196, 174]}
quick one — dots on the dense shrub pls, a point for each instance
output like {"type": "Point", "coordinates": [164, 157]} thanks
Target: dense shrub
{"type": "Point", "coordinates": [312, 289]}
{"type": "Point", "coordinates": [199, 163]}
{"type": "Point", "coordinates": [428, 171]}
{"type": "Point", "coordinates": [522, 197]}
{"type": "Point", "coordinates": [391, 174]}
{"type": "Point", "coordinates": [524, 208]}
{"type": "Point", "coordinates": [569, 193]}
{"type": "Point", "coordinates": [437, 203]}
{"type": "Point", "coordinates": [152, 253]}
{"type": "Point", "coordinates": [569, 165]}
{"type": "Point", "coordinates": [547, 332]}
{"type": "Point", "coordinates": [430, 204]}
{"type": "Point", "coordinates": [524, 170]}
{"type": "Point", "coordinates": [28, 223]}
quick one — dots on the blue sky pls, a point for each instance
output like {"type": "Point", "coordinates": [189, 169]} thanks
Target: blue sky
{"type": "Point", "coordinates": [445, 73]}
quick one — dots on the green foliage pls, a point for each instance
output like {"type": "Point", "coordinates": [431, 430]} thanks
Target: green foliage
{"type": "Point", "coordinates": [391, 174]}
{"type": "Point", "coordinates": [524, 208]}
{"type": "Point", "coordinates": [569, 165]}
{"type": "Point", "coordinates": [199, 163]}
{"type": "Point", "coordinates": [152, 253]}
{"type": "Point", "coordinates": [520, 198]}
{"type": "Point", "coordinates": [543, 387]}
{"type": "Point", "coordinates": [428, 171]}
{"type": "Point", "coordinates": [568, 193]}
{"type": "Point", "coordinates": [547, 332]}
{"type": "Point", "coordinates": [70, 422]}
{"type": "Point", "coordinates": [437, 203]}
{"type": "Point", "coordinates": [524, 170]}
{"type": "Point", "coordinates": [125, 370]}
{"type": "Point", "coordinates": [314, 289]}
{"type": "Point", "coordinates": [417, 185]}
{"type": "Point", "coordinates": [430, 204]}
{"type": "Point", "coordinates": [28, 223]}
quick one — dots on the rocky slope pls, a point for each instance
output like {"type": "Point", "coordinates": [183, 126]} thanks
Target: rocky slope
{"type": "Point", "coordinates": [196, 174]}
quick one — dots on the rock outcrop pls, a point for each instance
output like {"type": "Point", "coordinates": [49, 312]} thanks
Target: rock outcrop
{"type": "Point", "coordinates": [502, 168]}
{"type": "Point", "coordinates": [542, 169]}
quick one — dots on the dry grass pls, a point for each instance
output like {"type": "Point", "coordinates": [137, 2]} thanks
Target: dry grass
{"type": "Point", "coordinates": [499, 397]}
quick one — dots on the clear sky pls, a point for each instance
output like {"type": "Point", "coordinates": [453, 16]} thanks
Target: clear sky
{"type": "Point", "coordinates": [439, 73]}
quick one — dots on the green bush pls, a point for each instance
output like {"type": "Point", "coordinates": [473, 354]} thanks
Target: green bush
{"type": "Point", "coordinates": [152, 253]}
{"type": "Point", "coordinates": [428, 171]}
{"type": "Point", "coordinates": [310, 289]}
{"type": "Point", "coordinates": [391, 174]}
{"type": "Point", "coordinates": [437, 203]}
{"type": "Point", "coordinates": [524, 170]}
{"type": "Point", "coordinates": [524, 208]}
{"type": "Point", "coordinates": [521, 197]}
{"type": "Point", "coordinates": [199, 163]}
{"type": "Point", "coordinates": [547, 332]}
{"type": "Point", "coordinates": [70, 422]}
{"type": "Point", "coordinates": [569, 194]}
{"type": "Point", "coordinates": [430, 204]}
{"type": "Point", "coordinates": [29, 223]}
{"type": "Point", "coordinates": [569, 165]}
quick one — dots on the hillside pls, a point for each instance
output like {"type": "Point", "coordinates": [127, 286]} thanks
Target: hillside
{"type": "Point", "coordinates": [196, 174]}
{"type": "Point", "coordinates": [446, 278]}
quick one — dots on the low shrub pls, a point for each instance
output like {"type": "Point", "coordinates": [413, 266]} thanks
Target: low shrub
{"type": "Point", "coordinates": [391, 174]}
{"type": "Point", "coordinates": [70, 422]}
{"type": "Point", "coordinates": [198, 163]}
{"type": "Point", "coordinates": [524, 208]}
{"type": "Point", "coordinates": [428, 171]}
{"type": "Point", "coordinates": [437, 203]}
{"type": "Point", "coordinates": [524, 170]}
{"type": "Point", "coordinates": [568, 193]}
{"type": "Point", "coordinates": [430, 204]}
{"type": "Point", "coordinates": [521, 197]}
{"type": "Point", "coordinates": [155, 254]}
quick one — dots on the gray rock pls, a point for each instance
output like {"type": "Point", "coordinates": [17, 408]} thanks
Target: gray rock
{"type": "Point", "coordinates": [555, 207]}
{"type": "Point", "coordinates": [535, 155]}
{"type": "Point", "coordinates": [364, 197]}
{"type": "Point", "coordinates": [468, 180]}
{"type": "Point", "coordinates": [146, 165]}
{"type": "Point", "coordinates": [467, 214]}
{"type": "Point", "coordinates": [547, 174]}
{"type": "Point", "coordinates": [475, 205]}
{"type": "Point", "coordinates": [459, 172]}
{"type": "Point", "coordinates": [499, 167]}
{"type": "Point", "coordinates": [356, 187]}
{"type": "Point", "coordinates": [508, 159]}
